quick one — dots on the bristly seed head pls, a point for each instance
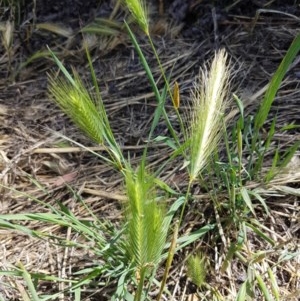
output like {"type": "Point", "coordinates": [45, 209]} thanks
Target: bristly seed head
{"type": "Point", "coordinates": [139, 12]}
{"type": "Point", "coordinates": [209, 102]}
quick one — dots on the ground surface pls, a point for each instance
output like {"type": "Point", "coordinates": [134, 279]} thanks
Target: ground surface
{"type": "Point", "coordinates": [185, 35]}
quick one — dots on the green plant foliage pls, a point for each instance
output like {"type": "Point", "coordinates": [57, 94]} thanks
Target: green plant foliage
{"type": "Point", "coordinates": [75, 100]}
{"type": "Point", "coordinates": [196, 269]}
{"type": "Point", "coordinates": [258, 146]}
{"type": "Point", "coordinates": [145, 216]}
{"type": "Point", "coordinates": [275, 83]}
{"type": "Point", "coordinates": [131, 255]}
{"type": "Point", "coordinates": [85, 110]}
{"type": "Point", "coordinates": [146, 231]}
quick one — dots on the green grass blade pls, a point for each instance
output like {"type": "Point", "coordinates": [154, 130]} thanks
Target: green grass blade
{"type": "Point", "coordinates": [175, 206]}
{"type": "Point", "coordinates": [94, 77]}
{"type": "Point", "coordinates": [259, 232]}
{"type": "Point", "coordinates": [240, 105]}
{"type": "Point", "coordinates": [275, 83]}
{"type": "Point", "coordinates": [274, 285]}
{"type": "Point", "coordinates": [158, 112]}
{"type": "Point", "coordinates": [261, 154]}
{"type": "Point", "coordinates": [231, 252]}
{"type": "Point", "coordinates": [242, 292]}
{"type": "Point", "coordinates": [62, 68]}
{"type": "Point", "coordinates": [41, 54]}
{"type": "Point", "coordinates": [77, 294]}
{"type": "Point", "coordinates": [273, 170]}
{"type": "Point", "coordinates": [288, 155]}
{"type": "Point", "coordinates": [14, 226]}
{"type": "Point", "coordinates": [247, 199]}
{"type": "Point", "coordinates": [190, 238]}
{"type": "Point", "coordinates": [261, 200]}
{"type": "Point", "coordinates": [29, 283]}
{"type": "Point", "coordinates": [263, 287]}
{"type": "Point", "coordinates": [144, 63]}
{"type": "Point", "coordinates": [160, 98]}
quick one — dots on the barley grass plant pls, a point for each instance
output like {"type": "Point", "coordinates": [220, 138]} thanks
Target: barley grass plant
{"type": "Point", "coordinates": [151, 230]}
{"type": "Point", "coordinates": [147, 230]}
{"type": "Point", "coordinates": [147, 222]}
{"type": "Point", "coordinates": [206, 119]}
{"type": "Point", "coordinates": [85, 109]}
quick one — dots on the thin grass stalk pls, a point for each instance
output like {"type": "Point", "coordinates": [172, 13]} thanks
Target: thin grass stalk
{"type": "Point", "coordinates": [176, 105]}
{"type": "Point", "coordinates": [171, 253]}
{"type": "Point", "coordinates": [185, 202]}
{"type": "Point", "coordinates": [170, 94]}
{"type": "Point", "coordinates": [160, 99]}
{"type": "Point", "coordinates": [81, 146]}
{"type": "Point", "coordinates": [108, 134]}
{"type": "Point", "coordinates": [141, 281]}
{"type": "Point", "coordinates": [180, 147]}
{"type": "Point", "coordinates": [138, 10]}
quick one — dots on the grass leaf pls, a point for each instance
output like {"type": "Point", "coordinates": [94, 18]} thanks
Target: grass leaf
{"type": "Point", "coordinates": [247, 199]}
{"type": "Point", "coordinates": [275, 83]}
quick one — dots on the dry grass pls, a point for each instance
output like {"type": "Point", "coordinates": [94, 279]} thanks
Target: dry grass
{"type": "Point", "coordinates": [29, 121]}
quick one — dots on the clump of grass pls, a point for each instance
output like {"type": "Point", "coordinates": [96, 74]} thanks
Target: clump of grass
{"type": "Point", "coordinates": [140, 244]}
{"type": "Point", "coordinates": [147, 223]}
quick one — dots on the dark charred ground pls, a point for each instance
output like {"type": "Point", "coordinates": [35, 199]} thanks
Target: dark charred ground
{"type": "Point", "coordinates": [256, 35]}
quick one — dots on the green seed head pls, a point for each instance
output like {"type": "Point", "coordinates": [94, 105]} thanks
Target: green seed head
{"type": "Point", "coordinates": [139, 12]}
